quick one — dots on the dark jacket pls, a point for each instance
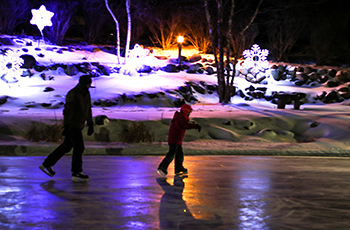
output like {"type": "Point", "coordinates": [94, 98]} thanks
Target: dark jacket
{"type": "Point", "coordinates": [178, 127]}
{"type": "Point", "coordinates": [77, 109]}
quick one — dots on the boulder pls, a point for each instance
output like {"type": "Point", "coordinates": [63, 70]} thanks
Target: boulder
{"type": "Point", "coordinates": [195, 58]}
{"type": "Point", "coordinates": [193, 68]}
{"type": "Point", "coordinates": [29, 61]}
{"type": "Point", "coordinates": [342, 76]}
{"type": "Point", "coordinates": [331, 97]}
{"type": "Point", "coordinates": [209, 70]}
{"type": "Point", "coordinates": [332, 84]}
{"type": "Point", "coordinates": [170, 68]}
{"type": "Point", "coordinates": [144, 69]}
{"type": "Point", "coordinates": [71, 70]}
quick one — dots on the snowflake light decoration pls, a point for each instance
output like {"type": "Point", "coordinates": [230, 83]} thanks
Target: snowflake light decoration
{"type": "Point", "coordinates": [256, 58]}
{"type": "Point", "coordinates": [41, 18]}
{"type": "Point", "coordinates": [10, 63]}
{"type": "Point", "coordinates": [137, 58]}
{"type": "Point", "coordinates": [137, 52]}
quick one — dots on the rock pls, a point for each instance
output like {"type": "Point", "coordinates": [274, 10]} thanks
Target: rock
{"type": "Point", "coordinates": [144, 69]}
{"type": "Point", "coordinates": [161, 57]}
{"type": "Point", "coordinates": [170, 68]}
{"type": "Point", "coordinates": [198, 88]}
{"type": "Point", "coordinates": [71, 70]}
{"type": "Point", "coordinates": [84, 67]}
{"type": "Point", "coordinates": [331, 97]}
{"type": "Point", "coordinates": [193, 68]}
{"type": "Point", "coordinates": [48, 89]}
{"type": "Point", "coordinates": [3, 99]}
{"type": "Point", "coordinates": [323, 78]}
{"type": "Point", "coordinates": [332, 73]}
{"type": "Point", "coordinates": [29, 61]}
{"type": "Point", "coordinates": [342, 76]}
{"type": "Point", "coordinates": [299, 83]}
{"type": "Point", "coordinates": [275, 74]}
{"type": "Point", "coordinates": [195, 58]}
{"type": "Point", "coordinates": [308, 70]}
{"type": "Point", "coordinates": [332, 84]}
{"type": "Point", "coordinates": [344, 90]}
{"type": "Point", "coordinates": [105, 70]}
{"type": "Point", "coordinates": [101, 120]}
{"type": "Point", "coordinates": [321, 71]}
{"type": "Point", "coordinates": [346, 96]}
{"type": "Point", "coordinates": [7, 41]}
{"type": "Point", "coordinates": [313, 76]}
{"type": "Point", "coordinates": [40, 68]}
{"type": "Point", "coordinates": [27, 73]}
{"type": "Point", "coordinates": [302, 76]}
{"type": "Point", "coordinates": [209, 70]}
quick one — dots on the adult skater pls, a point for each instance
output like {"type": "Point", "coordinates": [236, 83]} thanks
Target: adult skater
{"type": "Point", "coordinates": [179, 124]}
{"type": "Point", "coordinates": [77, 111]}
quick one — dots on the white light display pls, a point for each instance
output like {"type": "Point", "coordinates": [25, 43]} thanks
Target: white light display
{"type": "Point", "coordinates": [41, 18]}
{"type": "Point", "coordinates": [256, 58]}
{"type": "Point", "coordinates": [137, 58]}
{"type": "Point", "coordinates": [137, 52]}
{"type": "Point", "coordinates": [10, 63]}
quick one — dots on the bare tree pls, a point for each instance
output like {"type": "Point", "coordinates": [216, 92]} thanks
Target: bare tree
{"type": "Point", "coordinates": [221, 31]}
{"type": "Point", "coordinates": [61, 21]}
{"type": "Point", "coordinates": [285, 27]}
{"type": "Point", "coordinates": [198, 36]}
{"type": "Point", "coordinates": [116, 28]}
{"type": "Point", "coordinates": [13, 13]}
{"type": "Point", "coordinates": [163, 29]}
{"type": "Point", "coordinates": [93, 9]}
{"type": "Point", "coordinates": [128, 36]}
{"type": "Point", "coordinates": [330, 40]}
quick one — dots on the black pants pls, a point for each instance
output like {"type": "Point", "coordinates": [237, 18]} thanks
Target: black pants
{"type": "Point", "coordinates": [73, 139]}
{"type": "Point", "coordinates": [174, 151]}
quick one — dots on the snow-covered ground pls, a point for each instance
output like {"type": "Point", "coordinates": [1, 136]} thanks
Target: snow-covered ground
{"type": "Point", "coordinates": [126, 96]}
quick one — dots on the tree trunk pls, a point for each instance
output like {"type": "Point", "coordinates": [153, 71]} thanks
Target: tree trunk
{"type": "Point", "coordinates": [128, 36]}
{"type": "Point", "coordinates": [220, 65]}
{"type": "Point", "coordinates": [117, 30]}
{"type": "Point", "coordinates": [229, 77]}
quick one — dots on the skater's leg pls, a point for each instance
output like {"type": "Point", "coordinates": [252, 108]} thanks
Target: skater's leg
{"type": "Point", "coordinates": [78, 150]}
{"type": "Point", "coordinates": [169, 157]}
{"type": "Point", "coordinates": [59, 152]}
{"type": "Point", "coordinates": [179, 159]}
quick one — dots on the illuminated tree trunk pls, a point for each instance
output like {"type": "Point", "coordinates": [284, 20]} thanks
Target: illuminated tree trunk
{"type": "Point", "coordinates": [117, 30]}
{"type": "Point", "coordinates": [225, 83]}
{"type": "Point", "coordinates": [229, 89]}
{"type": "Point", "coordinates": [128, 36]}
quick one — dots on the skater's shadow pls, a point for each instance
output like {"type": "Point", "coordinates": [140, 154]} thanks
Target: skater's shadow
{"type": "Point", "coordinates": [50, 186]}
{"type": "Point", "coordinates": [173, 211]}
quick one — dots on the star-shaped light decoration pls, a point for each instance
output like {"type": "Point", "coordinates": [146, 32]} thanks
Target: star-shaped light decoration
{"type": "Point", "coordinates": [256, 58]}
{"type": "Point", "coordinates": [41, 18]}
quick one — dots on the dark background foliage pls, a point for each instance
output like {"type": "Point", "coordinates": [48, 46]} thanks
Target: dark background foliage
{"type": "Point", "coordinates": [290, 29]}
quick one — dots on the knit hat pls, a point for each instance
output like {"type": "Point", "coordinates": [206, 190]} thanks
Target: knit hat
{"type": "Point", "coordinates": [85, 80]}
{"type": "Point", "coordinates": [186, 108]}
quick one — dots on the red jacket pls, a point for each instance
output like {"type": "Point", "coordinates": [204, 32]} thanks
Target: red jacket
{"type": "Point", "coordinates": [178, 127]}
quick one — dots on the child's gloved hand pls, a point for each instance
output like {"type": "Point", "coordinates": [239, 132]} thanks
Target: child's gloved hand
{"type": "Point", "coordinates": [199, 128]}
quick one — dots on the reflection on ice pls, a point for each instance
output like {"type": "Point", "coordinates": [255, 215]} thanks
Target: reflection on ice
{"type": "Point", "coordinates": [253, 185]}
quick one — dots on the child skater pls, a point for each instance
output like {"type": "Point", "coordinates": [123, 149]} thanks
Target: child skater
{"type": "Point", "coordinates": [178, 126]}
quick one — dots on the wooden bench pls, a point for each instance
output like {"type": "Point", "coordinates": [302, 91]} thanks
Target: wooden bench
{"type": "Point", "coordinates": [284, 98]}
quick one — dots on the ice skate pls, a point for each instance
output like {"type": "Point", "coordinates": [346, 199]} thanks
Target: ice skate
{"type": "Point", "coordinates": [48, 170]}
{"type": "Point", "coordinates": [80, 177]}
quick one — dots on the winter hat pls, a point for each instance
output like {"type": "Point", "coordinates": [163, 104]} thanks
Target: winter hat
{"type": "Point", "coordinates": [85, 80]}
{"type": "Point", "coordinates": [186, 109]}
